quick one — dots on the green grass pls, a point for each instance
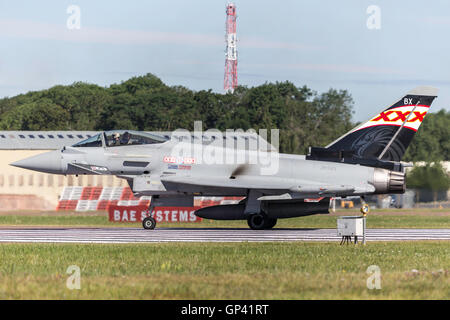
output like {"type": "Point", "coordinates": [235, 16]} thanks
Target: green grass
{"type": "Point", "coordinates": [374, 220]}
{"type": "Point", "coordinates": [226, 271]}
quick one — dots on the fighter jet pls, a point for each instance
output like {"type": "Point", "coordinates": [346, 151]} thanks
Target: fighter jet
{"type": "Point", "coordinates": [175, 168]}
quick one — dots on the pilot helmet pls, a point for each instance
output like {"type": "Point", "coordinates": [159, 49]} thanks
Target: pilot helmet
{"type": "Point", "coordinates": [116, 135]}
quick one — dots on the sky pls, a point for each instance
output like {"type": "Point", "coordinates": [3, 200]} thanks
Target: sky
{"type": "Point", "coordinates": [377, 56]}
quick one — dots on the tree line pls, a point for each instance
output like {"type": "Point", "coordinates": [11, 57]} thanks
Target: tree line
{"type": "Point", "coordinates": [305, 117]}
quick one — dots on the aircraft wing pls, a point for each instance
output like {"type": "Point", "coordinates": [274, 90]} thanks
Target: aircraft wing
{"type": "Point", "coordinates": [267, 185]}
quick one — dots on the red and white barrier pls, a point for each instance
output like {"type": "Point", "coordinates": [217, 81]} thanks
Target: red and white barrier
{"type": "Point", "coordinates": [101, 198]}
{"type": "Point", "coordinates": [97, 198]}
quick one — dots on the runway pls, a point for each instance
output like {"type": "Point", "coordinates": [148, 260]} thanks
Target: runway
{"type": "Point", "coordinates": [137, 235]}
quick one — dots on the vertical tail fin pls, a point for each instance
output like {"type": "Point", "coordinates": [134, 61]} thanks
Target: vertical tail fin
{"type": "Point", "coordinates": [387, 135]}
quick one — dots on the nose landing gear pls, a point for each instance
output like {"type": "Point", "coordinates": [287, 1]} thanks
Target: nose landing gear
{"type": "Point", "coordinates": [149, 223]}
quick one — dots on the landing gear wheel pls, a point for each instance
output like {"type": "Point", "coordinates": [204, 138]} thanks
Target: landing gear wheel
{"type": "Point", "coordinates": [365, 209]}
{"type": "Point", "coordinates": [270, 223]}
{"type": "Point", "coordinates": [257, 221]}
{"type": "Point", "coordinates": [149, 223]}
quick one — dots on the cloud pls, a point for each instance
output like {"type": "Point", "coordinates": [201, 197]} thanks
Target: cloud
{"type": "Point", "coordinates": [267, 44]}
{"type": "Point", "coordinates": [440, 21]}
{"type": "Point", "coordinates": [400, 82]}
{"type": "Point", "coordinates": [38, 30]}
{"type": "Point", "coordinates": [337, 68]}
{"type": "Point", "coordinates": [58, 32]}
{"type": "Point", "coordinates": [341, 68]}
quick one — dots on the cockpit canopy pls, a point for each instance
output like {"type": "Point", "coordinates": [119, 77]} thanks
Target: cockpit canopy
{"type": "Point", "coordinates": [119, 138]}
{"type": "Point", "coordinates": [95, 141]}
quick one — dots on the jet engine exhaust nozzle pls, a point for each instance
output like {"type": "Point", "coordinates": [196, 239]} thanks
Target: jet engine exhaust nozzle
{"type": "Point", "coordinates": [386, 181]}
{"type": "Point", "coordinates": [397, 182]}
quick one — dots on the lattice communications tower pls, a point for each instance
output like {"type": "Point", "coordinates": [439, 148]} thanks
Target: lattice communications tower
{"type": "Point", "coordinates": [231, 81]}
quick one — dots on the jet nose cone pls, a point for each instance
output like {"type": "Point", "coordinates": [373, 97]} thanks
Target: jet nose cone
{"type": "Point", "coordinates": [49, 162]}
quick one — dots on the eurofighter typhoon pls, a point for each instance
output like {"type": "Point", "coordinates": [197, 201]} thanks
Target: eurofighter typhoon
{"type": "Point", "coordinates": [175, 168]}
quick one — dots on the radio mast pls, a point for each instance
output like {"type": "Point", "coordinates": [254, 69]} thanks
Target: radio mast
{"type": "Point", "coordinates": [230, 81]}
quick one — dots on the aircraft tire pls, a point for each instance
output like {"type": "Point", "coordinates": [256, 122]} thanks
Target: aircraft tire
{"type": "Point", "coordinates": [257, 221]}
{"type": "Point", "coordinates": [149, 223]}
{"type": "Point", "coordinates": [270, 223]}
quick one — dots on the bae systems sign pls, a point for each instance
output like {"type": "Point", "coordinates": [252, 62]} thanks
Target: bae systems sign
{"type": "Point", "coordinates": [161, 214]}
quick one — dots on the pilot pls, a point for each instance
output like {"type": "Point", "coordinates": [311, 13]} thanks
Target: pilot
{"type": "Point", "coordinates": [125, 138]}
{"type": "Point", "coordinates": [116, 139]}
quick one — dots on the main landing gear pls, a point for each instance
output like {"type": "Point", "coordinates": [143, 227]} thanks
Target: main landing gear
{"type": "Point", "coordinates": [260, 221]}
{"type": "Point", "coordinates": [256, 212]}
